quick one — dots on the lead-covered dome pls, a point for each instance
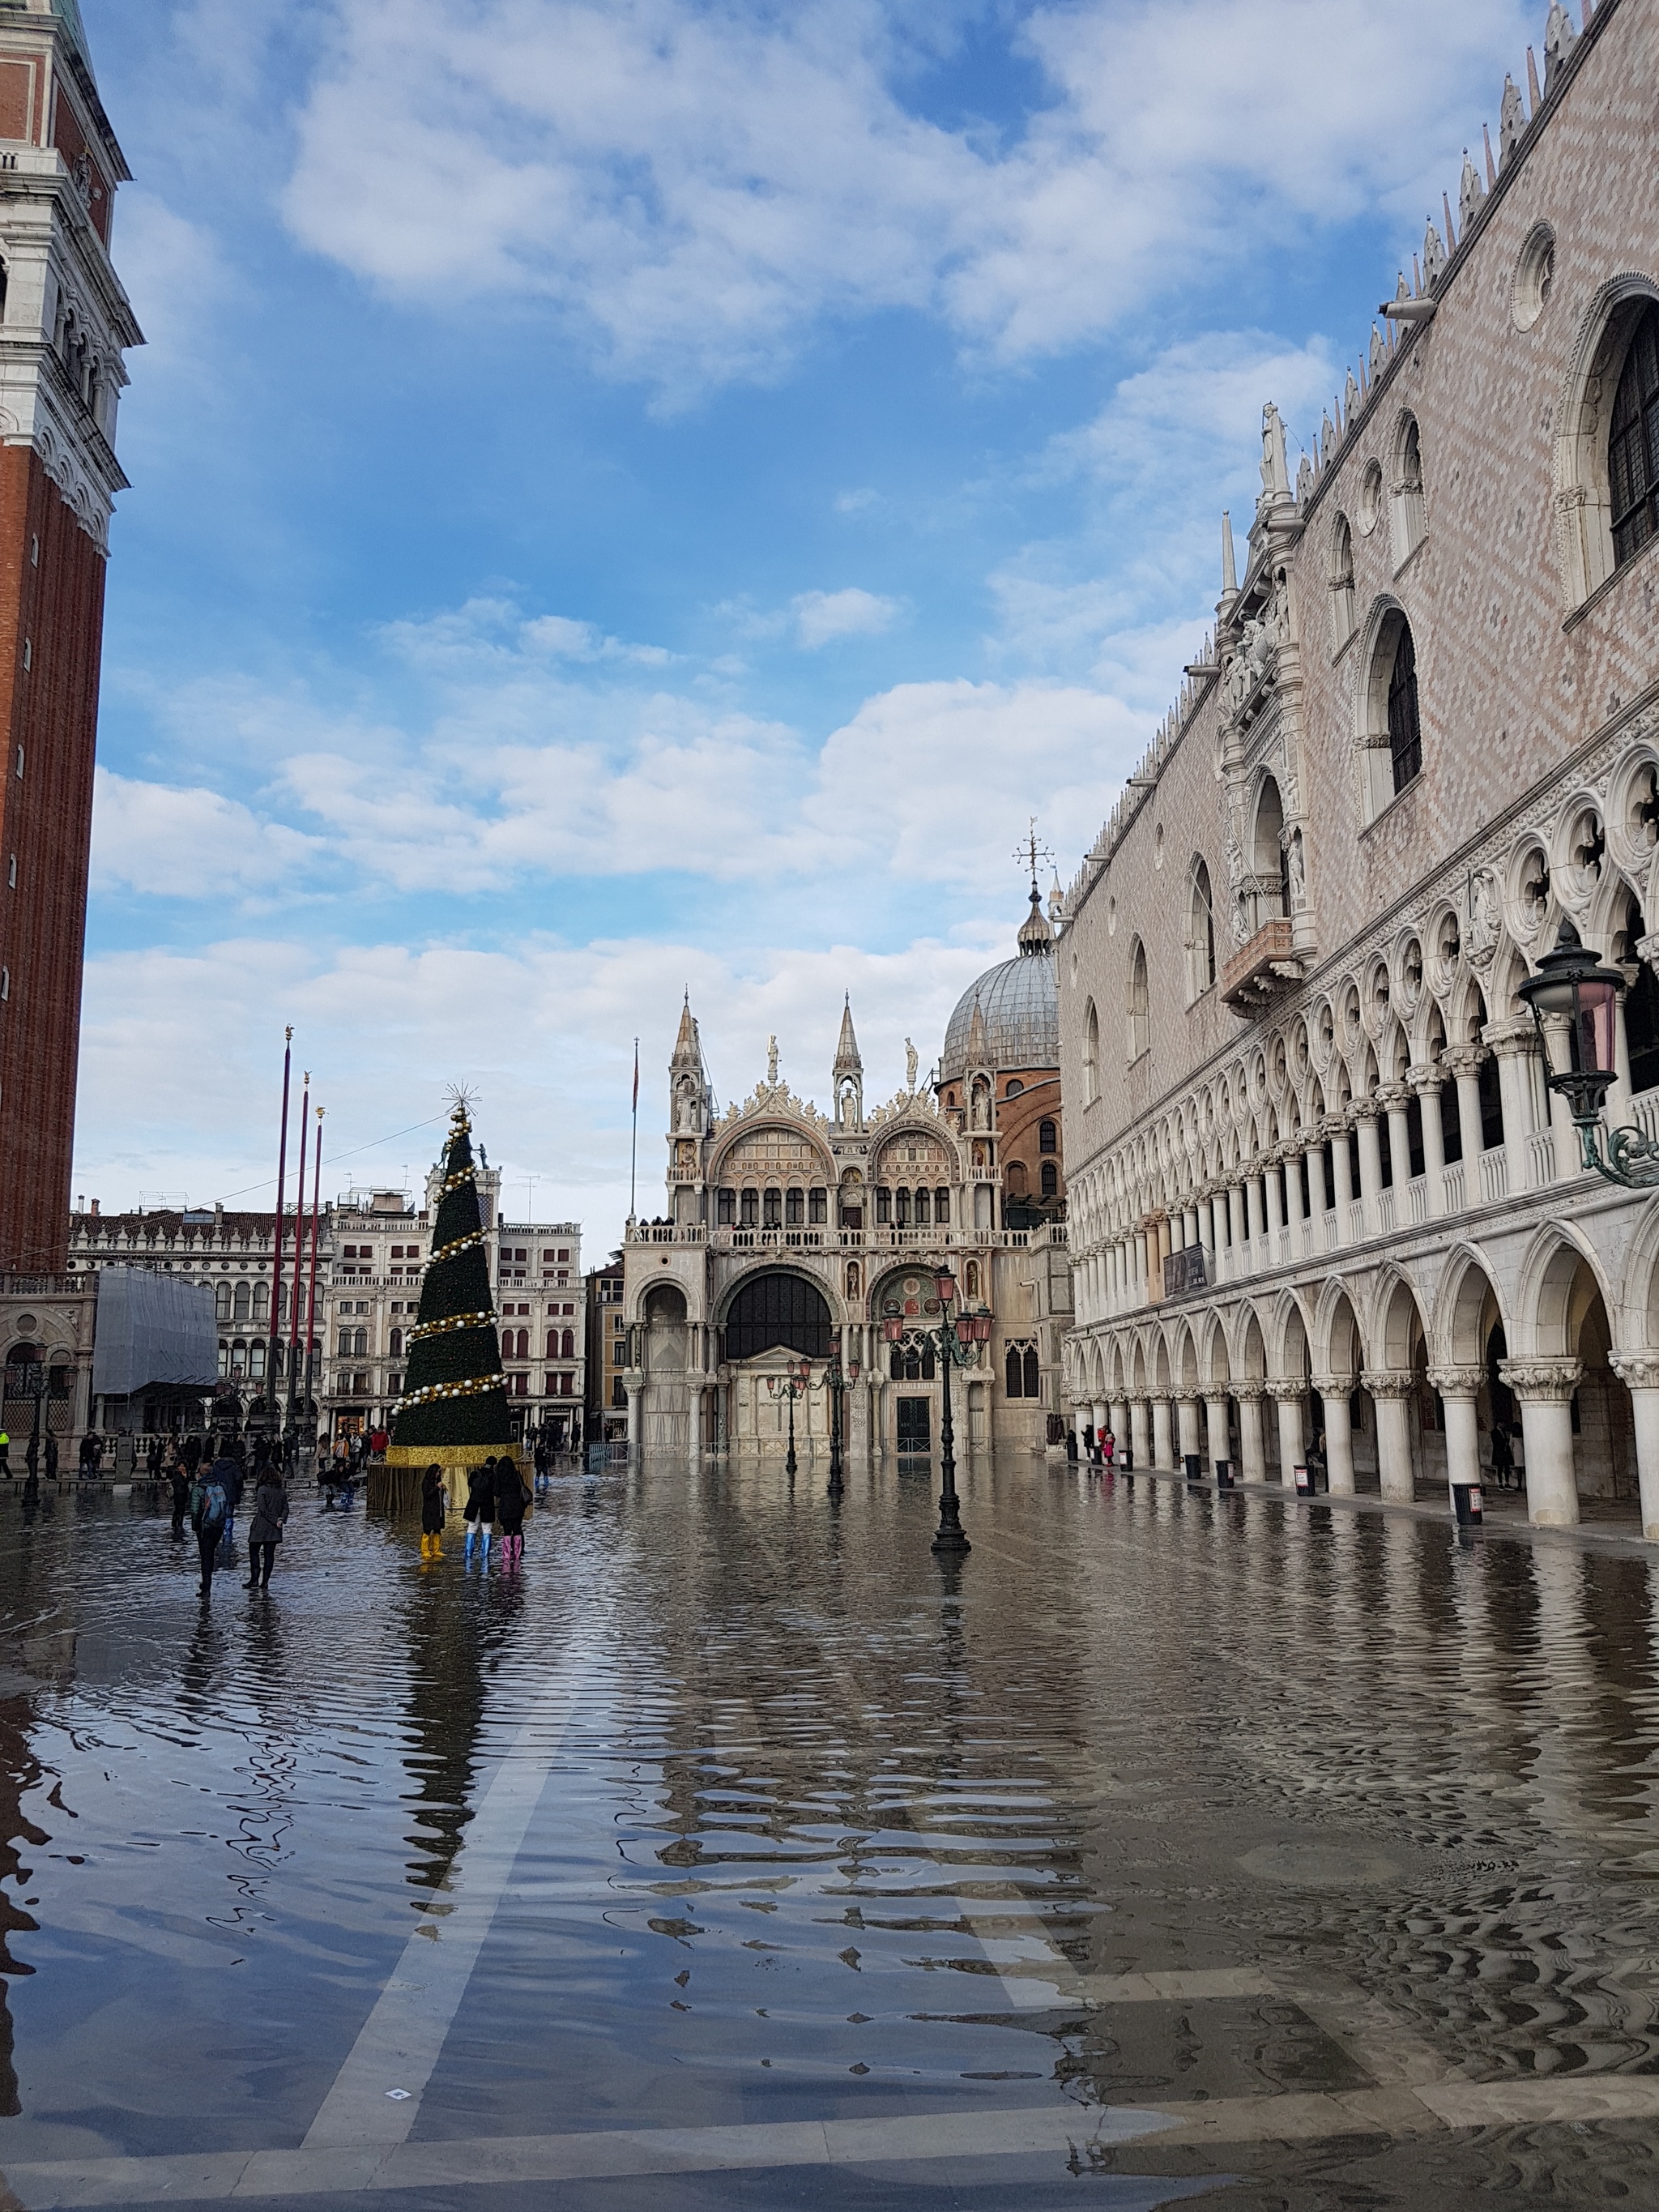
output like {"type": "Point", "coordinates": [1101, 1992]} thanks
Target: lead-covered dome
{"type": "Point", "coordinates": [1019, 1004]}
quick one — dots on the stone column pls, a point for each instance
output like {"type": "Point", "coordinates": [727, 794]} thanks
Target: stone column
{"type": "Point", "coordinates": [1118, 1414]}
{"type": "Point", "coordinates": [1293, 1213]}
{"type": "Point", "coordinates": [1187, 1426]}
{"type": "Point", "coordinates": [1544, 1389]}
{"type": "Point", "coordinates": [1465, 1064]}
{"type": "Point", "coordinates": [1140, 1438]}
{"type": "Point", "coordinates": [1272, 1203]}
{"type": "Point", "coordinates": [1318, 1197]}
{"type": "Point", "coordinates": [1162, 1454]}
{"type": "Point", "coordinates": [1215, 1421]}
{"type": "Point", "coordinates": [1290, 1395]}
{"type": "Point", "coordinates": [1253, 1459]}
{"type": "Point", "coordinates": [634, 1385]}
{"type": "Point", "coordinates": [1365, 1112]}
{"type": "Point", "coordinates": [1458, 1387]}
{"type": "Point", "coordinates": [1258, 1194]}
{"type": "Point", "coordinates": [1393, 1099]}
{"type": "Point", "coordinates": [1639, 1372]}
{"type": "Point", "coordinates": [1334, 1391]}
{"type": "Point", "coordinates": [1514, 1044]}
{"type": "Point", "coordinates": [1390, 1389]}
{"type": "Point", "coordinates": [1425, 1081]}
{"type": "Point", "coordinates": [1234, 1222]}
{"type": "Point", "coordinates": [1336, 1129]}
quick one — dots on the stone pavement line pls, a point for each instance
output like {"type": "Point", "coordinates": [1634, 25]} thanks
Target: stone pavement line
{"type": "Point", "coordinates": [399, 2043]}
{"type": "Point", "coordinates": [227, 2176]}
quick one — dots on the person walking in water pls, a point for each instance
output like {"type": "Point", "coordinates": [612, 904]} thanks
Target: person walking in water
{"type": "Point", "coordinates": [433, 1505]}
{"type": "Point", "coordinates": [179, 1477]}
{"type": "Point", "coordinates": [209, 1508]}
{"type": "Point", "coordinates": [480, 1509]}
{"type": "Point", "coordinates": [265, 1531]}
{"type": "Point", "coordinates": [511, 1498]}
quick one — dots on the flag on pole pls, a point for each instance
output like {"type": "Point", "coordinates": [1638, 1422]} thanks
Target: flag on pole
{"type": "Point", "coordinates": [636, 1075]}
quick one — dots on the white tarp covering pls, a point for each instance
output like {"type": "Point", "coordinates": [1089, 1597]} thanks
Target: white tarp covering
{"type": "Point", "coordinates": [152, 1329]}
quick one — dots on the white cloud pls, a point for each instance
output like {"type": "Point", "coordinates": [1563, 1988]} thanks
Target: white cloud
{"type": "Point", "coordinates": [697, 185]}
{"type": "Point", "coordinates": [188, 842]}
{"type": "Point", "coordinates": [821, 618]}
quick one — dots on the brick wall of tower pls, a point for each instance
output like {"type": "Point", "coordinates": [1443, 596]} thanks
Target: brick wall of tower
{"type": "Point", "coordinates": [52, 613]}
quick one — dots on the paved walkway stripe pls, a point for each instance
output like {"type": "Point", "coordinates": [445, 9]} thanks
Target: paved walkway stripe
{"type": "Point", "coordinates": [400, 2042]}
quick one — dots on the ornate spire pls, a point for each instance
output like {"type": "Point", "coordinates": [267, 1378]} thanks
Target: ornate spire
{"type": "Point", "coordinates": [688, 1046]}
{"type": "Point", "coordinates": [979, 1042]}
{"type": "Point", "coordinates": [846, 1051]}
{"type": "Point", "coordinates": [847, 1077]}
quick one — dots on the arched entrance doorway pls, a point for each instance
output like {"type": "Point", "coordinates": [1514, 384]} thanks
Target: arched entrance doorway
{"type": "Point", "coordinates": [774, 1320]}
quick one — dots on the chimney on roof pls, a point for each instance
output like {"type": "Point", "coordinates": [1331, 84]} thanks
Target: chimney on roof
{"type": "Point", "coordinates": [94, 1206]}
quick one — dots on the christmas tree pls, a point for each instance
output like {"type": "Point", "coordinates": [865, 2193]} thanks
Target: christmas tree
{"type": "Point", "coordinates": [453, 1409]}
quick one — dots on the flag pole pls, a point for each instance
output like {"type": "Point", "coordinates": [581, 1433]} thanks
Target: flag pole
{"type": "Point", "coordinates": [299, 1244]}
{"type": "Point", "coordinates": [634, 1150]}
{"type": "Point", "coordinates": [310, 1300]}
{"type": "Point", "coordinates": [276, 1261]}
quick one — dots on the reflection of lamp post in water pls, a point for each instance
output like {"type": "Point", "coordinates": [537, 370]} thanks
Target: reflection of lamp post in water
{"type": "Point", "coordinates": [794, 1382]}
{"type": "Point", "coordinates": [958, 1340]}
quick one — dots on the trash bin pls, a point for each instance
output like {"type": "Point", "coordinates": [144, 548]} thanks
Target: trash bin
{"type": "Point", "coordinates": [1304, 1487]}
{"type": "Point", "coordinates": [1126, 1459]}
{"type": "Point", "coordinates": [1190, 1461]}
{"type": "Point", "coordinates": [1223, 1474]}
{"type": "Point", "coordinates": [1465, 1504]}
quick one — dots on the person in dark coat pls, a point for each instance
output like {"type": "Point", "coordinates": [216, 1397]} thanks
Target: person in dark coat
{"type": "Point", "coordinates": [511, 1498]}
{"type": "Point", "coordinates": [265, 1531]}
{"type": "Point", "coordinates": [480, 1509]}
{"type": "Point", "coordinates": [178, 1476]}
{"type": "Point", "coordinates": [208, 1509]}
{"type": "Point", "coordinates": [228, 1470]}
{"type": "Point", "coordinates": [51, 1458]}
{"type": "Point", "coordinates": [1502, 1454]}
{"type": "Point", "coordinates": [433, 1504]}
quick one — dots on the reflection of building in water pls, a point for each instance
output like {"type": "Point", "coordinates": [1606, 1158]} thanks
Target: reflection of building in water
{"type": "Point", "coordinates": [20, 1770]}
{"type": "Point", "coordinates": [795, 1233]}
{"type": "Point", "coordinates": [1318, 1182]}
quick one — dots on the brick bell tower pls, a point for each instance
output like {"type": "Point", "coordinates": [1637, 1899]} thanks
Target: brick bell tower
{"type": "Point", "coordinates": [64, 325]}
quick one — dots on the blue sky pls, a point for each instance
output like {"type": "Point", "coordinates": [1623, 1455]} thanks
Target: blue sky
{"type": "Point", "coordinates": [637, 496]}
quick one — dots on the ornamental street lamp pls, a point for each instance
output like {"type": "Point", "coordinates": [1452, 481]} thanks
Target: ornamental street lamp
{"type": "Point", "coordinates": [834, 1382]}
{"type": "Point", "coordinates": [1574, 1003]}
{"type": "Point", "coordinates": [957, 1340]}
{"type": "Point", "coordinates": [794, 1382]}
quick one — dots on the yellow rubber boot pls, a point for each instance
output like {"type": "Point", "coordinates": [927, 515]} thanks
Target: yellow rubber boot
{"type": "Point", "coordinates": [437, 1544]}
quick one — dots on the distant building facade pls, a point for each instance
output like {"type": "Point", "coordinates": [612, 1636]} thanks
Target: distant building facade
{"type": "Point", "coordinates": [1318, 1183]}
{"type": "Point", "coordinates": [794, 1232]}
{"type": "Point", "coordinates": [607, 1354]}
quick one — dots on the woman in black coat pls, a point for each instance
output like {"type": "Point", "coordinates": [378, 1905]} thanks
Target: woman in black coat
{"type": "Point", "coordinates": [434, 1505]}
{"type": "Point", "coordinates": [265, 1530]}
{"type": "Point", "coordinates": [511, 1498]}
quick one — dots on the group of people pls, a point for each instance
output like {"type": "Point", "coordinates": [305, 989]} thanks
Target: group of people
{"type": "Point", "coordinates": [496, 1498]}
{"type": "Point", "coordinates": [209, 1480]}
{"type": "Point", "coordinates": [38, 1452]}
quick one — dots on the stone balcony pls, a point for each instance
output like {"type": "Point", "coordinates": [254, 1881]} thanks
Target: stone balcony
{"type": "Point", "coordinates": [1262, 969]}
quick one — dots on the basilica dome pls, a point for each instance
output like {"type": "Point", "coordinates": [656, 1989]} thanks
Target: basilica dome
{"type": "Point", "coordinates": [1019, 1004]}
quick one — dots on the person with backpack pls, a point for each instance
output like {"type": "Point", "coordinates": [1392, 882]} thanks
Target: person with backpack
{"type": "Point", "coordinates": [480, 1509]}
{"type": "Point", "coordinates": [511, 1498]}
{"type": "Point", "coordinates": [209, 1513]}
{"type": "Point", "coordinates": [265, 1531]}
{"type": "Point", "coordinates": [433, 1505]}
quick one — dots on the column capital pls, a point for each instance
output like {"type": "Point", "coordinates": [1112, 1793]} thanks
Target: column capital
{"type": "Point", "coordinates": [1388, 1382]}
{"type": "Point", "coordinates": [1393, 1098]}
{"type": "Point", "coordinates": [1514, 1038]}
{"type": "Point", "coordinates": [1333, 1127]}
{"type": "Point", "coordinates": [1332, 1386]}
{"type": "Point", "coordinates": [1464, 1059]}
{"type": "Point", "coordinates": [1462, 1381]}
{"type": "Point", "coordinates": [1216, 1394]}
{"type": "Point", "coordinates": [1426, 1075]}
{"type": "Point", "coordinates": [1251, 1390]}
{"type": "Point", "coordinates": [1649, 948]}
{"type": "Point", "coordinates": [1638, 1371]}
{"type": "Point", "coordinates": [1542, 1381]}
{"type": "Point", "coordinates": [1364, 1109]}
{"type": "Point", "coordinates": [1286, 1389]}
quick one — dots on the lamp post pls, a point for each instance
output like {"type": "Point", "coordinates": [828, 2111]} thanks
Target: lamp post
{"type": "Point", "coordinates": [1575, 1001]}
{"type": "Point", "coordinates": [794, 1382]}
{"type": "Point", "coordinates": [834, 1382]}
{"type": "Point", "coordinates": [957, 1340]}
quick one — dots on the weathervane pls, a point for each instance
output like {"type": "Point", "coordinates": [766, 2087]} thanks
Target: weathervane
{"type": "Point", "coordinates": [1028, 853]}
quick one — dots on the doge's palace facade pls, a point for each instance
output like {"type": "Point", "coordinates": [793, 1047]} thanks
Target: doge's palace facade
{"type": "Point", "coordinates": [1317, 1183]}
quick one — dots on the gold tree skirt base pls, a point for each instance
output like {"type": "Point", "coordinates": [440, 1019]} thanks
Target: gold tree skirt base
{"type": "Point", "coordinates": [395, 1483]}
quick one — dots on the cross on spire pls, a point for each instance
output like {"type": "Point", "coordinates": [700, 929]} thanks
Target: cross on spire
{"type": "Point", "coordinates": [1028, 853]}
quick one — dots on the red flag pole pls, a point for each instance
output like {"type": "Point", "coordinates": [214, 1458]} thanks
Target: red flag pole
{"type": "Point", "coordinates": [310, 1303]}
{"type": "Point", "coordinates": [276, 1262]}
{"type": "Point", "coordinates": [299, 1242]}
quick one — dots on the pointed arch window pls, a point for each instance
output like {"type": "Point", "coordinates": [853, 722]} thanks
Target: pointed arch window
{"type": "Point", "coordinates": [1341, 583]}
{"type": "Point", "coordinates": [1090, 1055]}
{"type": "Point", "coordinates": [1139, 1026]}
{"type": "Point", "coordinates": [1633, 444]}
{"type": "Point", "coordinates": [1405, 731]}
{"type": "Point", "coordinates": [1201, 932]}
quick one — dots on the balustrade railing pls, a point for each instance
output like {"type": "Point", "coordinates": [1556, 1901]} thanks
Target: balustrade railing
{"type": "Point", "coordinates": [1417, 1191]}
{"type": "Point", "coordinates": [1540, 1159]}
{"type": "Point", "coordinates": [1494, 1176]}
{"type": "Point", "coordinates": [1451, 1184]}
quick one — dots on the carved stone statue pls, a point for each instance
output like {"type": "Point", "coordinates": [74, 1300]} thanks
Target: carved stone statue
{"type": "Point", "coordinates": [910, 1065]}
{"type": "Point", "coordinates": [1275, 470]}
{"type": "Point", "coordinates": [772, 1061]}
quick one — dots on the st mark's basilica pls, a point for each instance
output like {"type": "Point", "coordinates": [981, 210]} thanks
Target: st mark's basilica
{"type": "Point", "coordinates": [792, 1233]}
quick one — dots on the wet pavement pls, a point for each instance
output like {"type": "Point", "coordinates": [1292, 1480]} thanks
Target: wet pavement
{"type": "Point", "coordinates": [737, 1852]}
